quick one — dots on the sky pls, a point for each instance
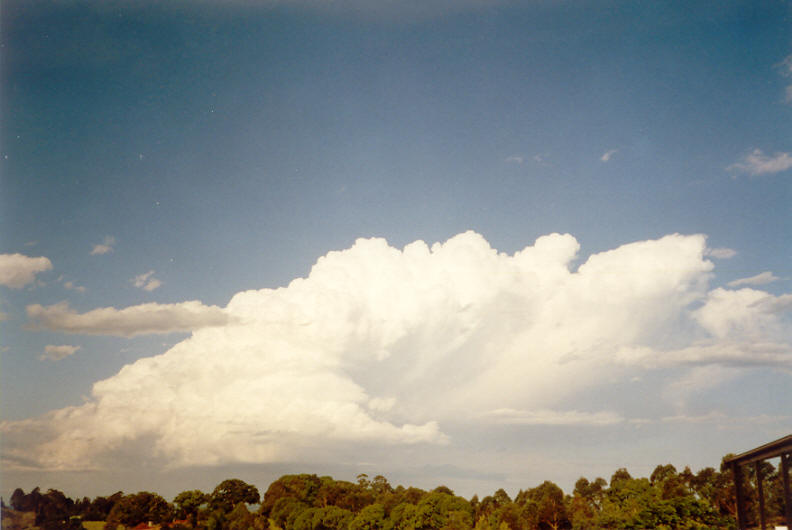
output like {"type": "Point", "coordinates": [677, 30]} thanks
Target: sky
{"type": "Point", "coordinates": [478, 244]}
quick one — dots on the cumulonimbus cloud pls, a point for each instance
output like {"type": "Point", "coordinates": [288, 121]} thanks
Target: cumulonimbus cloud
{"type": "Point", "coordinates": [130, 321]}
{"type": "Point", "coordinates": [18, 270]}
{"type": "Point", "coordinates": [386, 345]}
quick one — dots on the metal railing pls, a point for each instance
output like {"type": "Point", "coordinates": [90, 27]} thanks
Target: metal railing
{"type": "Point", "coordinates": [780, 448]}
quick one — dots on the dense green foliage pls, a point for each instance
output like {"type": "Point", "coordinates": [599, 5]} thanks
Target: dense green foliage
{"type": "Point", "coordinates": [140, 507]}
{"type": "Point", "coordinates": [667, 499]}
{"type": "Point", "coordinates": [188, 503]}
{"type": "Point", "coordinates": [229, 493]}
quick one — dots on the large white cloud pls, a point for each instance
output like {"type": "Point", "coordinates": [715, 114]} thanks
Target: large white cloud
{"type": "Point", "coordinates": [385, 345]}
{"type": "Point", "coordinates": [18, 270]}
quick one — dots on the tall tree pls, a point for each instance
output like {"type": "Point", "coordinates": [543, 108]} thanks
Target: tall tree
{"type": "Point", "coordinates": [231, 492]}
{"type": "Point", "coordinates": [187, 504]}
{"type": "Point", "coordinates": [141, 507]}
{"type": "Point", "coordinates": [303, 487]}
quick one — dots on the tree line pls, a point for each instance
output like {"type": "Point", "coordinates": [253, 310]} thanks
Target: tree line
{"type": "Point", "coordinates": [667, 499]}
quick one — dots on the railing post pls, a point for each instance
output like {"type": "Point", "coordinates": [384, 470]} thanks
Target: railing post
{"type": "Point", "coordinates": [738, 489]}
{"type": "Point", "coordinates": [760, 491]}
{"type": "Point", "coordinates": [785, 481]}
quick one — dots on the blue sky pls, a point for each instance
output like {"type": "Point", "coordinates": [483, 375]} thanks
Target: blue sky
{"type": "Point", "coordinates": [157, 155]}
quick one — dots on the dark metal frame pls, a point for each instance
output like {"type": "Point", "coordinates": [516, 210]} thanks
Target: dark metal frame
{"type": "Point", "coordinates": [780, 448]}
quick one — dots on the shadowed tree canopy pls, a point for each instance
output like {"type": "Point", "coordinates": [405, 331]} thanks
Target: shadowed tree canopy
{"type": "Point", "coordinates": [140, 507]}
{"type": "Point", "coordinates": [231, 492]}
{"type": "Point", "coordinates": [303, 488]}
{"type": "Point", "coordinates": [667, 499]}
{"type": "Point", "coordinates": [187, 503]}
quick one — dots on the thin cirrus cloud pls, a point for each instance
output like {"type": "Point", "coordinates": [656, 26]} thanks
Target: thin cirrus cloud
{"type": "Point", "coordinates": [56, 353]}
{"type": "Point", "coordinates": [74, 287]}
{"type": "Point", "coordinates": [554, 417]}
{"type": "Point", "coordinates": [721, 253]}
{"type": "Point", "coordinates": [757, 163]}
{"type": "Point", "coordinates": [785, 67]}
{"type": "Point", "coordinates": [71, 286]}
{"type": "Point", "coordinates": [722, 419]}
{"type": "Point", "coordinates": [760, 279]}
{"type": "Point", "coordinates": [146, 281]}
{"type": "Point", "coordinates": [391, 10]}
{"type": "Point", "coordinates": [18, 270]}
{"type": "Point", "coordinates": [541, 159]}
{"type": "Point", "coordinates": [403, 342]}
{"type": "Point", "coordinates": [104, 247]}
{"type": "Point", "coordinates": [128, 322]}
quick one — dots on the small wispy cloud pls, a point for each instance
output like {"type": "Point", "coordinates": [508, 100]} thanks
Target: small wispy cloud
{"type": "Point", "coordinates": [710, 417]}
{"type": "Point", "coordinates": [541, 159]}
{"type": "Point", "coordinates": [515, 159]}
{"type": "Point", "coordinates": [760, 279]}
{"type": "Point", "coordinates": [56, 353]}
{"type": "Point", "coordinates": [70, 285]}
{"type": "Point", "coordinates": [131, 321]}
{"type": "Point", "coordinates": [606, 156]}
{"type": "Point", "coordinates": [785, 67]}
{"type": "Point", "coordinates": [104, 247]}
{"type": "Point", "coordinates": [721, 252]}
{"type": "Point", "coordinates": [757, 163]}
{"type": "Point", "coordinates": [74, 287]}
{"type": "Point", "coordinates": [717, 417]}
{"type": "Point", "coordinates": [554, 417]}
{"type": "Point", "coordinates": [146, 281]}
